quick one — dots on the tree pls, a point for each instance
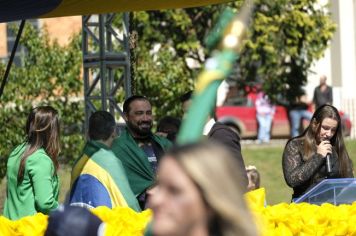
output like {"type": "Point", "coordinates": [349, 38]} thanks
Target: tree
{"type": "Point", "coordinates": [283, 41]}
{"type": "Point", "coordinates": [166, 41]}
{"type": "Point", "coordinates": [50, 75]}
{"type": "Point", "coordinates": [286, 38]}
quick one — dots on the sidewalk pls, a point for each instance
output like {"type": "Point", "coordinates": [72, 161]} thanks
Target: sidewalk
{"type": "Point", "coordinates": [252, 143]}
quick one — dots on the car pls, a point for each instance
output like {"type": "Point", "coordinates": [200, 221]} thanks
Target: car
{"type": "Point", "coordinates": [240, 111]}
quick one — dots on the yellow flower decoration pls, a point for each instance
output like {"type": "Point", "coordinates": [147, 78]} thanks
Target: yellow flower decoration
{"type": "Point", "coordinates": [123, 220]}
{"type": "Point", "coordinates": [118, 222]}
{"type": "Point", "coordinates": [26, 226]}
{"type": "Point", "coordinates": [278, 220]}
{"type": "Point", "coordinates": [301, 219]}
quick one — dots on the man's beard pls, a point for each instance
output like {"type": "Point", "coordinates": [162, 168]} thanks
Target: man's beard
{"type": "Point", "coordinates": [140, 131]}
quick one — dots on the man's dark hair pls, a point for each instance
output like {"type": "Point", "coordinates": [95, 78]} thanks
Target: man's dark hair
{"type": "Point", "coordinates": [101, 125]}
{"type": "Point", "coordinates": [127, 103]}
{"type": "Point", "coordinates": [185, 97]}
{"type": "Point", "coordinates": [168, 123]}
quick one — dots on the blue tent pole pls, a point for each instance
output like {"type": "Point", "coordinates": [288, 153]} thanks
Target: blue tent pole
{"type": "Point", "coordinates": [11, 59]}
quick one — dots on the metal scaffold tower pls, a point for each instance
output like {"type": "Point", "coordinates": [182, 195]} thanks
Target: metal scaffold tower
{"type": "Point", "coordinates": [106, 62]}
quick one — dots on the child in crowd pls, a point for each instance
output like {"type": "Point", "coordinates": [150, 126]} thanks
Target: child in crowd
{"type": "Point", "coordinates": [253, 178]}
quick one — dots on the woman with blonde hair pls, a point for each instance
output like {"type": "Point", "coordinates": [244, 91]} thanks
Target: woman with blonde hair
{"type": "Point", "coordinates": [318, 153]}
{"type": "Point", "coordinates": [32, 181]}
{"type": "Point", "coordinates": [199, 192]}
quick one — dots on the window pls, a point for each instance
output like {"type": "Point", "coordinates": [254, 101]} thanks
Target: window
{"type": "Point", "coordinates": [11, 30]}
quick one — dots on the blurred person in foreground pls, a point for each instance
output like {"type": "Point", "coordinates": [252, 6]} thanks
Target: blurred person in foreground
{"type": "Point", "coordinates": [224, 132]}
{"type": "Point", "coordinates": [74, 221]}
{"type": "Point", "coordinates": [98, 176]}
{"type": "Point", "coordinates": [199, 192]}
{"type": "Point", "coordinates": [304, 157]}
{"type": "Point", "coordinates": [32, 180]}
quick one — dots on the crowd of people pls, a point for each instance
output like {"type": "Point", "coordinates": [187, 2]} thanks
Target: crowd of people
{"type": "Point", "coordinates": [193, 189]}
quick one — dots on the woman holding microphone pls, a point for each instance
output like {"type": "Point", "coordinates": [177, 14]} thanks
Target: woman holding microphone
{"type": "Point", "coordinates": [317, 154]}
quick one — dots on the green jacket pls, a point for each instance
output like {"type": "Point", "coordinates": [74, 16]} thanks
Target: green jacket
{"type": "Point", "coordinates": [138, 169]}
{"type": "Point", "coordinates": [38, 192]}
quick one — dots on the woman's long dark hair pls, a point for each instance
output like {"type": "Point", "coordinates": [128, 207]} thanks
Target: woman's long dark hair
{"type": "Point", "coordinates": [310, 136]}
{"type": "Point", "coordinates": [42, 128]}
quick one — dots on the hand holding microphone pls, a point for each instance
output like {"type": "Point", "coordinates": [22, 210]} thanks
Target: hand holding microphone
{"type": "Point", "coordinates": [325, 149]}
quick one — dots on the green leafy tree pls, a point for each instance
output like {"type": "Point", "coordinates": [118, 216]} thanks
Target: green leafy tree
{"type": "Point", "coordinates": [163, 75]}
{"type": "Point", "coordinates": [50, 75]}
{"type": "Point", "coordinates": [284, 39]}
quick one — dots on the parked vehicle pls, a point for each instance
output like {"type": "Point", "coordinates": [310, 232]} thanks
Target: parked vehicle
{"type": "Point", "coordinates": [241, 112]}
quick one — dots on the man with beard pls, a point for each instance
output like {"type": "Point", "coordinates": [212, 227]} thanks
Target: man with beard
{"type": "Point", "coordinates": [138, 148]}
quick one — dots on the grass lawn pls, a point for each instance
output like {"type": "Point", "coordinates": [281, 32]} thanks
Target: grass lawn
{"type": "Point", "coordinates": [267, 159]}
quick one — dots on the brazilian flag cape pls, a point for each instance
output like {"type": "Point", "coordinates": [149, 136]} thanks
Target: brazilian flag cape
{"type": "Point", "coordinates": [99, 179]}
{"type": "Point", "coordinates": [138, 168]}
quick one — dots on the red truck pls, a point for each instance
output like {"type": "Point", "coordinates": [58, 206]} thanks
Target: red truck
{"type": "Point", "coordinates": [241, 111]}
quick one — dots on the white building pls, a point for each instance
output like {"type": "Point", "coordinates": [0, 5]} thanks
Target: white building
{"type": "Point", "coordinates": [339, 62]}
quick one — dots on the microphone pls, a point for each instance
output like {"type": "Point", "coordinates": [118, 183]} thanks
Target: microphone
{"type": "Point", "coordinates": [328, 161]}
{"type": "Point", "coordinates": [328, 164]}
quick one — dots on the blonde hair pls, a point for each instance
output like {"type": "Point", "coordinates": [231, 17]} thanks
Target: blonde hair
{"type": "Point", "coordinates": [213, 170]}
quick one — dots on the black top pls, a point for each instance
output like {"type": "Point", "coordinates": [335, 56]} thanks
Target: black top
{"type": "Point", "coordinates": [149, 141]}
{"type": "Point", "coordinates": [302, 174]}
{"type": "Point", "coordinates": [225, 135]}
{"type": "Point", "coordinates": [298, 106]}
